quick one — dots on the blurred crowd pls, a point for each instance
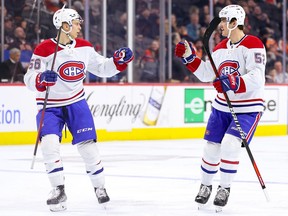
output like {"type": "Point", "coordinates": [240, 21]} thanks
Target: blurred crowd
{"type": "Point", "coordinates": [24, 29]}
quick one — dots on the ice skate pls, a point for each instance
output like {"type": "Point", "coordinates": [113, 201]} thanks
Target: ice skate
{"type": "Point", "coordinates": [221, 198]}
{"type": "Point", "coordinates": [102, 195]}
{"type": "Point", "coordinates": [203, 195]}
{"type": "Point", "coordinates": [57, 199]}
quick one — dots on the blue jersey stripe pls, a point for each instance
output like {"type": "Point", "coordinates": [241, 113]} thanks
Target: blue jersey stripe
{"type": "Point", "coordinates": [243, 105]}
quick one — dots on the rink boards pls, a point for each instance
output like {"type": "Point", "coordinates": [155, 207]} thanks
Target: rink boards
{"type": "Point", "coordinates": [137, 112]}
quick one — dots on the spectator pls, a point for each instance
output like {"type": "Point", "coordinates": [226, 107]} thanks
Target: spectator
{"type": "Point", "coordinates": [202, 14]}
{"type": "Point", "coordinates": [139, 46]}
{"type": "Point", "coordinates": [20, 40]}
{"type": "Point", "coordinates": [15, 7]}
{"type": "Point", "coordinates": [146, 25]}
{"type": "Point", "coordinates": [23, 45]}
{"type": "Point", "coordinates": [265, 35]}
{"type": "Point", "coordinates": [46, 28]}
{"type": "Point", "coordinates": [52, 5]}
{"type": "Point", "coordinates": [199, 49]}
{"type": "Point", "coordinates": [119, 28]}
{"type": "Point", "coordinates": [281, 76]}
{"type": "Point", "coordinates": [12, 70]}
{"type": "Point", "coordinates": [140, 6]}
{"type": "Point", "coordinates": [174, 23]}
{"type": "Point", "coordinates": [194, 26]}
{"type": "Point", "coordinates": [8, 31]}
{"type": "Point", "coordinates": [219, 5]}
{"type": "Point", "coordinates": [79, 7]}
{"type": "Point", "coordinates": [5, 11]}
{"type": "Point", "coordinates": [150, 63]}
{"type": "Point", "coordinates": [155, 20]}
{"type": "Point", "coordinates": [260, 19]}
{"type": "Point", "coordinates": [31, 32]}
{"type": "Point", "coordinates": [143, 25]}
{"type": "Point", "coordinates": [270, 77]}
{"type": "Point", "coordinates": [147, 22]}
{"type": "Point", "coordinates": [273, 53]}
{"type": "Point", "coordinates": [184, 33]}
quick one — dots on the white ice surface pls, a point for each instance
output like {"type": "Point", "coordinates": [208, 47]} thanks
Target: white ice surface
{"type": "Point", "coordinates": [145, 178]}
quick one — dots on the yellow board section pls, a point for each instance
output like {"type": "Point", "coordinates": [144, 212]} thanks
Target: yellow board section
{"type": "Point", "coordinates": [22, 138]}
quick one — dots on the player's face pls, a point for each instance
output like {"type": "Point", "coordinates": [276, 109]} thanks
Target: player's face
{"type": "Point", "coordinates": [223, 27]}
{"type": "Point", "coordinates": [76, 28]}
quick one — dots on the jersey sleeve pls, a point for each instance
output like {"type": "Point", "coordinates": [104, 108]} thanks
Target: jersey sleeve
{"type": "Point", "coordinates": [255, 58]}
{"type": "Point", "coordinates": [37, 65]}
{"type": "Point", "coordinates": [43, 53]}
{"type": "Point", "coordinates": [100, 65]}
{"type": "Point", "coordinates": [202, 70]}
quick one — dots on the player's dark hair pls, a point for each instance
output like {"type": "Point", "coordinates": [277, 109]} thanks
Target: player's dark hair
{"type": "Point", "coordinates": [241, 27]}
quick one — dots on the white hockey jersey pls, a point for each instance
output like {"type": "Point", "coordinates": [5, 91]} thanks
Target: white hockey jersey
{"type": "Point", "coordinates": [247, 58]}
{"type": "Point", "coordinates": [72, 63]}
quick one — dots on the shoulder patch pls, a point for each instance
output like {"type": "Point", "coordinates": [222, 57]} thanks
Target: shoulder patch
{"type": "Point", "coordinates": [252, 42]}
{"type": "Point", "coordinates": [46, 48]}
{"type": "Point", "coordinates": [221, 45]}
{"type": "Point", "coordinates": [81, 43]}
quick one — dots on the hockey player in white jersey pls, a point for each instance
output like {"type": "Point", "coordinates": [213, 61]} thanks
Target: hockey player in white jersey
{"type": "Point", "coordinates": [240, 60]}
{"type": "Point", "coordinates": [66, 103]}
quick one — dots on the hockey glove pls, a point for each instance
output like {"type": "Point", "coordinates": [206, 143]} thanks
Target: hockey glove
{"type": "Point", "coordinates": [227, 82]}
{"type": "Point", "coordinates": [122, 57]}
{"type": "Point", "coordinates": [185, 51]}
{"type": "Point", "coordinates": [44, 79]}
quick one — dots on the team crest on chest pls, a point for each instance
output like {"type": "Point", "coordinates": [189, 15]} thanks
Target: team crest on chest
{"type": "Point", "coordinates": [72, 71]}
{"type": "Point", "coordinates": [229, 67]}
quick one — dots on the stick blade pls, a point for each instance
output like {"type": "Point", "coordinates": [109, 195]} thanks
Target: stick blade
{"type": "Point", "coordinates": [33, 161]}
{"type": "Point", "coordinates": [266, 195]}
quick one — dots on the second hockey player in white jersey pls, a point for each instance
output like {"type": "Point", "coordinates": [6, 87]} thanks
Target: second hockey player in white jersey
{"type": "Point", "coordinates": [240, 60]}
{"type": "Point", "coordinates": [66, 103]}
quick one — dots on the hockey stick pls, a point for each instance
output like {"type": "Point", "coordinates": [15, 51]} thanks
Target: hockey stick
{"type": "Point", "coordinates": [210, 29]}
{"type": "Point", "coordinates": [45, 103]}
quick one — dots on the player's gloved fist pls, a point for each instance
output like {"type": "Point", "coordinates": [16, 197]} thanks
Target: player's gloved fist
{"type": "Point", "coordinates": [227, 82]}
{"type": "Point", "coordinates": [122, 57]}
{"type": "Point", "coordinates": [185, 51]}
{"type": "Point", "coordinates": [44, 79]}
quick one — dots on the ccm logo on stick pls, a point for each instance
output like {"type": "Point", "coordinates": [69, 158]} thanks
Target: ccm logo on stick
{"type": "Point", "coordinates": [84, 130]}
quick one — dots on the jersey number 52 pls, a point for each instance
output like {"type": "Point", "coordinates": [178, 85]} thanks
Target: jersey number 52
{"type": "Point", "coordinates": [259, 58]}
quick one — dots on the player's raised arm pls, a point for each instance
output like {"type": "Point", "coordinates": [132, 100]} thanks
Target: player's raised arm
{"type": "Point", "coordinates": [198, 67]}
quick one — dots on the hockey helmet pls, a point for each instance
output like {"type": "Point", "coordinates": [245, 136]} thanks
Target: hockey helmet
{"type": "Point", "coordinates": [65, 15]}
{"type": "Point", "coordinates": [233, 11]}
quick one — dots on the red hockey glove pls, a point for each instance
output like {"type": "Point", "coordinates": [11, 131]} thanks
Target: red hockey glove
{"type": "Point", "coordinates": [185, 51]}
{"type": "Point", "coordinates": [122, 57]}
{"type": "Point", "coordinates": [44, 79]}
{"type": "Point", "coordinates": [227, 82]}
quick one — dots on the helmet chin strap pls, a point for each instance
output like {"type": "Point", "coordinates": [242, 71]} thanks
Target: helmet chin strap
{"type": "Point", "coordinates": [230, 29]}
{"type": "Point", "coordinates": [67, 33]}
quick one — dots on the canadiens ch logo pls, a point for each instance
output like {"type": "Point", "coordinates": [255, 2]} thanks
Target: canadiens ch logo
{"type": "Point", "coordinates": [72, 71]}
{"type": "Point", "coordinates": [229, 67]}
